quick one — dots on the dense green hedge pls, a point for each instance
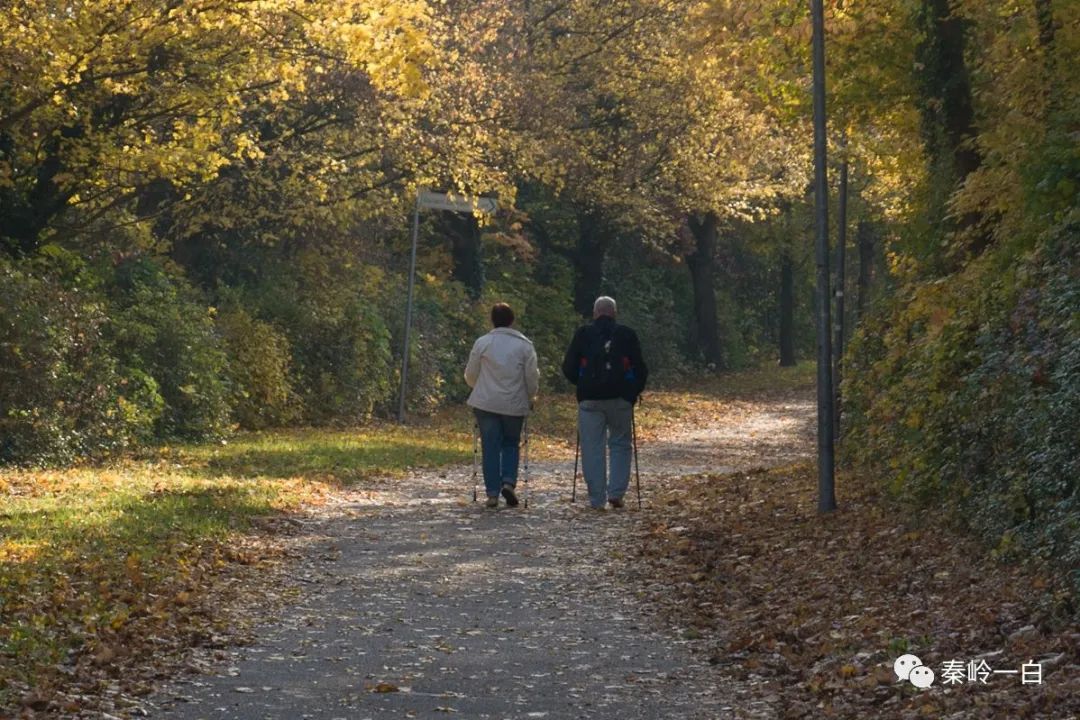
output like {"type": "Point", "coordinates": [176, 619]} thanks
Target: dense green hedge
{"type": "Point", "coordinates": [61, 392]}
{"type": "Point", "coordinates": [163, 328]}
{"type": "Point", "coordinates": [101, 349]}
{"type": "Point", "coordinates": [259, 371]}
{"type": "Point", "coordinates": [966, 392]}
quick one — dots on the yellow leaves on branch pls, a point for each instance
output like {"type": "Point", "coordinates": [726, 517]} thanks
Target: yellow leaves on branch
{"type": "Point", "coordinates": [132, 91]}
{"type": "Point", "coordinates": [389, 39]}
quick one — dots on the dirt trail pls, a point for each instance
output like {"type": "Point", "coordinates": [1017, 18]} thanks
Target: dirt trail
{"type": "Point", "coordinates": [415, 602]}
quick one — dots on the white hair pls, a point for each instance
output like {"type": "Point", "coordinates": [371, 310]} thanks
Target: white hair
{"type": "Point", "coordinates": [604, 305]}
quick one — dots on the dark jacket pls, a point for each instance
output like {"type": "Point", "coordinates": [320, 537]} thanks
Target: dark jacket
{"type": "Point", "coordinates": [623, 338]}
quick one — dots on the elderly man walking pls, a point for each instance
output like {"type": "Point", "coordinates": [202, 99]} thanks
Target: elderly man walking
{"type": "Point", "coordinates": [504, 378]}
{"type": "Point", "coordinates": [604, 362]}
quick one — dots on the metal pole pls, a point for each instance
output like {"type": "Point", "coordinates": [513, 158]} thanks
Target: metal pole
{"type": "Point", "coordinates": [825, 398]}
{"type": "Point", "coordinates": [637, 464]}
{"type": "Point", "coordinates": [475, 445]}
{"type": "Point", "coordinates": [408, 312]}
{"type": "Point", "coordinates": [841, 275]}
{"type": "Point", "coordinates": [577, 448]}
{"type": "Point", "coordinates": [525, 475]}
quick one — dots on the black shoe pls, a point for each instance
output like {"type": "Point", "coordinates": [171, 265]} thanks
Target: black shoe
{"type": "Point", "coordinates": [508, 493]}
{"type": "Point", "coordinates": [616, 502]}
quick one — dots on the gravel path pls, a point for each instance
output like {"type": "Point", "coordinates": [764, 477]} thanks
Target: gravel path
{"type": "Point", "coordinates": [422, 604]}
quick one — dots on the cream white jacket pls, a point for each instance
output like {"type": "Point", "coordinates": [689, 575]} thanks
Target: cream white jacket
{"type": "Point", "coordinates": [502, 372]}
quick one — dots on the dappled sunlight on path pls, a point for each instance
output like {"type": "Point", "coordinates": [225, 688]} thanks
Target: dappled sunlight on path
{"type": "Point", "coordinates": [416, 601]}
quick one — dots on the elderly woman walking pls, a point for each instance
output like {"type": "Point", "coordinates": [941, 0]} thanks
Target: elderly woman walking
{"type": "Point", "coordinates": [503, 374]}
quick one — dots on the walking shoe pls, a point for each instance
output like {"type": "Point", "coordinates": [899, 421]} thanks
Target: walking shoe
{"type": "Point", "coordinates": [508, 493]}
{"type": "Point", "coordinates": [616, 502]}
{"type": "Point", "coordinates": [492, 501]}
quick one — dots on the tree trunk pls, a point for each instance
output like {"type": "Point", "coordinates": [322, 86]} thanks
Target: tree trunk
{"type": "Point", "coordinates": [468, 260]}
{"type": "Point", "coordinates": [1044, 16]}
{"type": "Point", "coordinates": [592, 245]}
{"type": "Point", "coordinates": [787, 310]}
{"type": "Point", "coordinates": [948, 112]}
{"type": "Point", "coordinates": [24, 218]}
{"type": "Point", "coordinates": [701, 262]}
{"type": "Point", "coordinates": [864, 236]}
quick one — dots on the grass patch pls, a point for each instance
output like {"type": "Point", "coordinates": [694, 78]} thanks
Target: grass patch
{"type": "Point", "coordinates": [341, 456]}
{"type": "Point", "coordinates": [94, 560]}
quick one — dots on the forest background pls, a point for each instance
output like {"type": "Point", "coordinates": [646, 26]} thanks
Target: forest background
{"type": "Point", "coordinates": [204, 218]}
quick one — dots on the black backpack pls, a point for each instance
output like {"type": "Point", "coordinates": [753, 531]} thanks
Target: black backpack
{"type": "Point", "coordinates": [605, 368]}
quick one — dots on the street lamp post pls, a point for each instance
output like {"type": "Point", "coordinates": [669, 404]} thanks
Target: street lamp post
{"type": "Point", "coordinates": [408, 310]}
{"type": "Point", "coordinates": [825, 397]}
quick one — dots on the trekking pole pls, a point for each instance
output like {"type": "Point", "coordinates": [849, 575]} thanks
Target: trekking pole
{"type": "Point", "coordinates": [525, 474]}
{"type": "Point", "coordinates": [637, 463]}
{"type": "Point", "coordinates": [476, 441]}
{"type": "Point", "coordinates": [577, 447]}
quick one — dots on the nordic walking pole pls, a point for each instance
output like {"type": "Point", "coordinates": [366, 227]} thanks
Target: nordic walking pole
{"type": "Point", "coordinates": [525, 474]}
{"type": "Point", "coordinates": [637, 463]}
{"type": "Point", "coordinates": [577, 448]}
{"type": "Point", "coordinates": [476, 441]}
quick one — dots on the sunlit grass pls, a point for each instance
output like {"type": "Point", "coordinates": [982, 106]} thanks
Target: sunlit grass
{"type": "Point", "coordinates": [91, 556]}
{"type": "Point", "coordinates": [83, 551]}
{"type": "Point", "coordinates": [338, 455]}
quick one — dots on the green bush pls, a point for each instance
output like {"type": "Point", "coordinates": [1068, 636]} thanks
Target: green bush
{"type": "Point", "coordinates": [61, 395]}
{"type": "Point", "coordinates": [344, 361]}
{"type": "Point", "coordinates": [334, 318]}
{"type": "Point", "coordinates": [163, 329]}
{"type": "Point", "coordinates": [259, 359]}
{"type": "Point", "coordinates": [967, 394]}
{"type": "Point", "coordinates": [544, 312]}
{"type": "Point", "coordinates": [445, 324]}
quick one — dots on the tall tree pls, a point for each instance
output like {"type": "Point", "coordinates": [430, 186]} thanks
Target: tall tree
{"type": "Point", "coordinates": [593, 240]}
{"type": "Point", "coordinates": [786, 302]}
{"type": "Point", "coordinates": [139, 93]}
{"type": "Point", "coordinates": [700, 260]}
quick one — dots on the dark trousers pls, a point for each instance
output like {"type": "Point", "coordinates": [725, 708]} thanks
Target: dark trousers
{"type": "Point", "coordinates": [500, 438]}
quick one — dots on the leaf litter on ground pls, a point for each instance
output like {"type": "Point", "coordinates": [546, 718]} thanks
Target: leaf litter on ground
{"type": "Point", "coordinates": [819, 607]}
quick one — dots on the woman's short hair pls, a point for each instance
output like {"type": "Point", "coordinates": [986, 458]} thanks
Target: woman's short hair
{"type": "Point", "coordinates": [502, 315]}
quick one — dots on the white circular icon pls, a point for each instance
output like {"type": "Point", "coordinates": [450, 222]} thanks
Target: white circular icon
{"type": "Point", "coordinates": [922, 677]}
{"type": "Point", "coordinates": [904, 665]}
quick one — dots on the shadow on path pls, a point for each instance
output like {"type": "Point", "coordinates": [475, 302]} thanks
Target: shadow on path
{"type": "Point", "coordinates": [423, 603]}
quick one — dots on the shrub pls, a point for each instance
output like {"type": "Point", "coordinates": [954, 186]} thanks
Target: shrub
{"type": "Point", "coordinates": [259, 359]}
{"type": "Point", "coordinates": [967, 394]}
{"type": "Point", "coordinates": [334, 318]}
{"type": "Point", "coordinates": [162, 329]}
{"type": "Point", "coordinates": [61, 395]}
{"type": "Point", "coordinates": [445, 324]}
{"type": "Point", "coordinates": [344, 360]}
